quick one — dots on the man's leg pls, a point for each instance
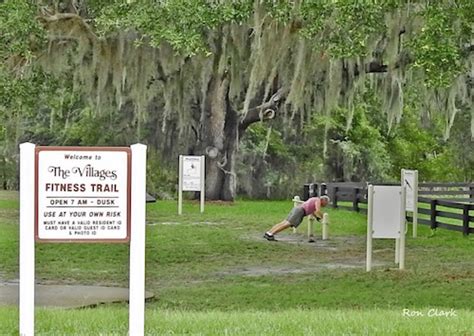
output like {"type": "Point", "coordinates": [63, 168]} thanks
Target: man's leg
{"type": "Point", "coordinates": [280, 227]}
{"type": "Point", "coordinates": [269, 235]}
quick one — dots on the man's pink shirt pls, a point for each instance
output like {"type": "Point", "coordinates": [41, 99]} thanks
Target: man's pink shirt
{"type": "Point", "coordinates": [311, 205]}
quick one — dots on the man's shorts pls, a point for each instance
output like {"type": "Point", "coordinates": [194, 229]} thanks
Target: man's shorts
{"type": "Point", "coordinates": [295, 217]}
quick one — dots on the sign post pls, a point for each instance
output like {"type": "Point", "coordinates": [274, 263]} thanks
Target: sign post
{"type": "Point", "coordinates": [386, 219]}
{"type": "Point", "coordinates": [191, 178]}
{"type": "Point", "coordinates": [27, 240]}
{"type": "Point", "coordinates": [82, 195]}
{"type": "Point", "coordinates": [136, 313]}
{"type": "Point", "coordinates": [410, 181]}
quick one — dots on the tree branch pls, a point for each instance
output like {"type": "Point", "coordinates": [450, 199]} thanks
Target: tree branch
{"type": "Point", "coordinates": [264, 111]}
{"type": "Point", "coordinates": [69, 23]}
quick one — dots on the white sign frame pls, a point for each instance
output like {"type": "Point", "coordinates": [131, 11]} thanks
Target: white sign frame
{"type": "Point", "coordinates": [409, 179]}
{"type": "Point", "coordinates": [192, 172]}
{"type": "Point", "coordinates": [27, 240]}
{"type": "Point", "coordinates": [382, 197]}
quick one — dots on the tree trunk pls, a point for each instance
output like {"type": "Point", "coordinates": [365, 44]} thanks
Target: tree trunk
{"type": "Point", "coordinates": [215, 143]}
{"type": "Point", "coordinates": [221, 131]}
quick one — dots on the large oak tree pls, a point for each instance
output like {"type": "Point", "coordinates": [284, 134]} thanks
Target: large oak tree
{"type": "Point", "coordinates": [201, 72]}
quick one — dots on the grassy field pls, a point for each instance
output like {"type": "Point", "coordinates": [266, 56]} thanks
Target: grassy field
{"type": "Point", "coordinates": [213, 274]}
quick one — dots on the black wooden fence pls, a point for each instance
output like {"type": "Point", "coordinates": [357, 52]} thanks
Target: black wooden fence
{"type": "Point", "coordinates": [438, 201]}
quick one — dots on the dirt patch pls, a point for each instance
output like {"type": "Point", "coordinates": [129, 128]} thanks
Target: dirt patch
{"type": "Point", "coordinates": [256, 271]}
{"type": "Point", "coordinates": [333, 243]}
{"type": "Point", "coordinates": [184, 223]}
{"type": "Point", "coordinates": [8, 195]}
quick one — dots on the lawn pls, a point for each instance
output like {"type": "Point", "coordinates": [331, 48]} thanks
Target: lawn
{"type": "Point", "coordinates": [213, 273]}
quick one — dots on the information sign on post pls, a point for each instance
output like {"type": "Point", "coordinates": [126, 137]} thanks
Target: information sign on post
{"type": "Point", "coordinates": [386, 219]}
{"type": "Point", "coordinates": [191, 178]}
{"type": "Point", "coordinates": [410, 181]}
{"type": "Point", "coordinates": [82, 194]}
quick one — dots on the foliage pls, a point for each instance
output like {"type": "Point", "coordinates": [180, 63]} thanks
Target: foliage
{"type": "Point", "coordinates": [349, 24]}
{"type": "Point", "coordinates": [40, 105]}
{"type": "Point", "coordinates": [416, 143]}
{"type": "Point", "coordinates": [182, 23]}
{"type": "Point", "coordinates": [437, 47]}
{"type": "Point", "coordinates": [357, 153]}
{"type": "Point", "coordinates": [161, 179]}
{"type": "Point", "coordinates": [263, 170]}
{"type": "Point", "coordinates": [20, 33]}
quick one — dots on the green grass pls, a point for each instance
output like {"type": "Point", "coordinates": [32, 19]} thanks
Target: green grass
{"type": "Point", "coordinates": [114, 321]}
{"type": "Point", "coordinates": [213, 272]}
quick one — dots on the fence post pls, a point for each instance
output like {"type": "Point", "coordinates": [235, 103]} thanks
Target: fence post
{"type": "Point", "coordinates": [334, 199]}
{"type": "Point", "coordinates": [355, 199]}
{"type": "Point", "coordinates": [311, 190]}
{"type": "Point", "coordinates": [323, 189]}
{"type": "Point", "coordinates": [305, 192]}
{"type": "Point", "coordinates": [433, 204]}
{"type": "Point", "coordinates": [465, 219]}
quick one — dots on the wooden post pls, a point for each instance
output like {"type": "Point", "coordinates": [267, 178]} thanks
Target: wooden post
{"type": "Point", "coordinates": [305, 192]}
{"type": "Point", "coordinates": [370, 199]}
{"type": "Point", "coordinates": [401, 249]}
{"type": "Point", "coordinates": [465, 220]}
{"type": "Point", "coordinates": [203, 183]}
{"type": "Point", "coordinates": [334, 198]}
{"type": "Point", "coordinates": [397, 251]}
{"type": "Point", "coordinates": [355, 199]}
{"type": "Point", "coordinates": [311, 229]}
{"type": "Point", "coordinates": [325, 225]}
{"type": "Point", "coordinates": [180, 186]}
{"type": "Point", "coordinates": [27, 240]}
{"type": "Point", "coordinates": [415, 207]}
{"type": "Point", "coordinates": [136, 313]}
{"type": "Point", "coordinates": [323, 189]}
{"type": "Point", "coordinates": [434, 225]}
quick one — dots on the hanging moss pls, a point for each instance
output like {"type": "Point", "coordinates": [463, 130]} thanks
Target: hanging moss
{"type": "Point", "coordinates": [256, 57]}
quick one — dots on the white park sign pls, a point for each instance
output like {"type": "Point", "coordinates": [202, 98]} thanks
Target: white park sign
{"type": "Point", "coordinates": [82, 194]}
{"type": "Point", "coordinates": [386, 219]}
{"type": "Point", "coordinates": [410, 182]}
{"type": "Point", "coordinates": [191, 178]}
{"type": "Point", "coordinates": [191, 173]}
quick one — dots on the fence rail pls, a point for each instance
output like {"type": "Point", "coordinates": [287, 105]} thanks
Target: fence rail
{"type": "Point", "coordinates": [353, 196]}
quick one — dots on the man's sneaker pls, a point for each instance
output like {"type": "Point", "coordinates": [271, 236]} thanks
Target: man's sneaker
{"type": "Point", "coordinates": [269, 236]}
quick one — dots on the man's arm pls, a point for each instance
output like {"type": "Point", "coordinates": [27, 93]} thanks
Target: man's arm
{"type": "Point", "coordinates": [318, 214]}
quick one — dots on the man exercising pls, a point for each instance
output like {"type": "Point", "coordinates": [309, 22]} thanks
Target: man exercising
{"type": "Point", "coordinates": [310, 207]}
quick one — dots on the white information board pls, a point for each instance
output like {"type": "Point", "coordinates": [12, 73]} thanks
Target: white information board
{"type": "Point", "coordinates": [386, 211]}
{"type": "Point", "coordinates": [386, 219]}
{"type": "Point", "coordinates": [82, 193]}
{"type": "Point", "coordinates": [192, 173]}
{"type": "Point", "coordinates": [409, 180]}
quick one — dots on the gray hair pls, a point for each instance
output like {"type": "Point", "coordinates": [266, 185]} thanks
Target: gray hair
{"type": "Point", "coordinates": [325, 198]}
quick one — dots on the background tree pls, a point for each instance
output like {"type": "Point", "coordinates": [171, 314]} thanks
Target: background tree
{"type": "Point", "coordinates": [191, 76]}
